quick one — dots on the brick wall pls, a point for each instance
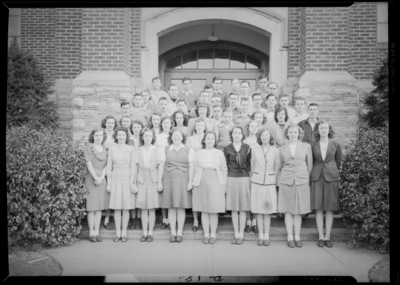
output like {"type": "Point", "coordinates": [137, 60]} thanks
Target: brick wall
{"type": "Point", "coordinates": [362, 40]}
{"type": "Point", "coordinates": [68, 33]}
{"type": "Point", "coordinates": [303, 40]}
{"type": "Point", "coordinates": [104, 36]}
{"type": "Point", "coordinates": [38, 36]}
{"type": "Point", "coordinates": [294, 42]}
{"type": "Point", "coordinates": [136, 26]}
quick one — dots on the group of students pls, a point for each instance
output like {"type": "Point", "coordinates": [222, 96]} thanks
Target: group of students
{"type": "Point", "coordinates": [213, 153]}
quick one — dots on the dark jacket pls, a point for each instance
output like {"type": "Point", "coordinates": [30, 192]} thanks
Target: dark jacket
{"type": "Point", "coordinates": [331, 165]}
{"type": "Point", "coordinates": [309, 133]}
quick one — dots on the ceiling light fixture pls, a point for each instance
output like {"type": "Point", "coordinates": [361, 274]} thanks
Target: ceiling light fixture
{"type": "Point", "coordinates": [212, 38]}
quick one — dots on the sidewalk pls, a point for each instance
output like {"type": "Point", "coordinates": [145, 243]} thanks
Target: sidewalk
{"type": "Point", "coordinates": [161, 260]}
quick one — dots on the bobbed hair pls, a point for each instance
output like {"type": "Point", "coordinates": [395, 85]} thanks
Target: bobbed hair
{"type": "Point", "coordinates": [203, 141]}
{"type": "Point", "coordinates": [120, 129]}
{"type": "Point", "coordinates": [130, 126]}
{"type": "Point", "coordinates": [185, 119]}
{"type": "Point", "coordinates": [331, 131]}
{"type": "Point", "coordinates": [95, 130]}
{"type": "Point", "coordinates": [272, 135]}
{"type": "Point", "coordinates": [248, 126]}
{"type": "Point", "coordinates": [264, 121]}
{"type": "Point", "coordinates": [104, 121]}
{"type": "Point", "coordinates": [197, 121]}
{"type": "Point", "coordinates": [141, 139]}
{"type": "Point", "coordinates": [170, 142]}
{"type": "Point", "coordinates": [301, 132]}
{"type": "Point", "coordinates": [166, 118]}
{"type": "Point", "coordinates": [201, 105]}
{"type": "Point", "coordinates": [150, 123]}
{"type": "Point", "coordinates": [280, 109]}
{"type": "Point", "coordinates": [237, 127]}
{"type": "Point", "coordinates": [136, 122]}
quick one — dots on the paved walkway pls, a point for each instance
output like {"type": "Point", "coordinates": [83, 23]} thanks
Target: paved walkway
{"type": "Point", "coordinates": [161, 260]}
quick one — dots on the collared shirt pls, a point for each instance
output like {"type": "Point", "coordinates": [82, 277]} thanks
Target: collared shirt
{"type": "Point", "coordinates": [172, 147]}
{"type": "Point", "coordinates": [270, 115]}
{"type": "Point", "coordinates": [146, 155]}
{"type": "Point", "coordinates": [297, 118]}
{"type": "Point", "coordinates": [162, 140]}
{"type": "Point", "coordinates": [309, 130]}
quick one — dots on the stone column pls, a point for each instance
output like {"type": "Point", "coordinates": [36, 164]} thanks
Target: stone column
{"type": "Point", "coordinates": [104, 81]}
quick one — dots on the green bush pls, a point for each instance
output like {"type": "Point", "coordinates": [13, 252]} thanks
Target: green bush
{"type": "Point", "coordinates": [27, 91]}
{"type": "Point", "coordinates": [364, 185]}
{"type": "Point", "coordinates": [45, 186]}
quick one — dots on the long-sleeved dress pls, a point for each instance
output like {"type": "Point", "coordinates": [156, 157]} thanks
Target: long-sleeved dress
{"type": "Point", "coordinates": [121, 168]}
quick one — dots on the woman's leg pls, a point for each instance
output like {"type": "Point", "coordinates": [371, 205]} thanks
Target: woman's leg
{"type": "Point", "coordinates": [328, 224]}
{"type": "Point", "coordinates": [195, 219]}
{"type": "Point", "coordinates": [164, 216]}
{"type": "Point", "coordinates": [319, 219]}
{"type": "Point", "coordinates": [172, 220]}
{"type": "Point", "coordinates": [213, 224]}
{"type": "Point", "coordinates": [107, 218]}
{"type": "Point", "coordinates": [260, 222]}
{"type": "Point", "coordinates": [235, 222]}
{"type": "Point", "coordinates": [205, 222]}
{"type": "Point", "coordinates": [297, 227]}
{"type": "Point", "coordinates": [248, 218]}
{"type": "Point", "coordinates": [125, 221]}
{"type": "Point", "coordinates": [242, 223]}
{"type": "Point", "coordinates": [97, 220]}
{"type": "Point", "coordinates": [117, 219]}
{"type": "Point", "coordinates": [254, 220]}
{"type": "Point", "coordinates": [90, 219]}
{"type": "Point", "coordinates": [267, 224]}
{"type": "Point", "coordinates": [145, 220]}
{"type": "Point", "coordinates": [289, 225]}
{"type": "Point", "coordinates": [139, 213]}
{"type": "Point", "coordinates": [181, 220]}
{"type": "Point", "coordinates": [152, 220]}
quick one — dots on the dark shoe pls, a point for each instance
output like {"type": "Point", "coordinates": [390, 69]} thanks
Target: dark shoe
{"type": "Point", "coordinates": [149, 238]}
{"type": "Point", "coordinates": [179, 238]}
{"type": "Point", "coordinates": [290, 243]}
{"type": "Point", "coordinates": [260, 242]}
{"type": "Point", "coordinates": [240, 241]}
{"type": "Point", "coordinates": [280, 215]}
{"type": "Point", "coordinates": [321, 243]}
{"type": "Point", "coordinates": [99, 239]}
{"type": "Point", "coordinates": [132, 225]}
{"type": "Point", "coordinates": [163, 226]}
{"type": "Point", "coordinates": [234, 241]}
{"type": "Point", "coordinates": [195, 228]}
{"type": "Point", "coordinates": [298, 243]}
{"type": "Point", "coordinates": [169, 227]}
{"type": "Point", "coordinates": [92, 239]}
{"type": "Point", "coordinates": [247, 229]}
{"type": "Point", "coordinates": [254, 229]}
{"type": "Point", "coordinates": [172, 239]}
{"type": "Point", "coordinates": [328, 243]}
{"type": "Point", "coordinates": [304, 215]}
{"type": "Point", "coordinates": [117, 239]}
{"type": "Point", "coordinates": [139, 226]}
{"type": "Point", "coordinates": [205, 240]}
{"type": "Point", "coordinates": [143, 238]}
{"type": "Point", "coordinates": [124, 239]}
{"type": "Point", "coordinates": [213, 240]}
{"type": "Point", "coordinates": [109, 226]}
{"type": "Point", "coordinates": [266, 242]}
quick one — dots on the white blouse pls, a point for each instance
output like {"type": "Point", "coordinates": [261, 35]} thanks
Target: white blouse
{"type": "Point", "coordinates": [162, 140]}
{"type": "Point", "coordinates": [324, 147]}
{"type": "Point", "coordinates": [146, 155]}
{"type": "Point", "coordinates": [172, 147]}
{"type": "Point", "coordinates": [292, 148]}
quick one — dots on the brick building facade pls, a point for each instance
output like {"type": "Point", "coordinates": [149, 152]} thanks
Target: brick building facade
{"type": "Point", "coordinates": [100, 56]}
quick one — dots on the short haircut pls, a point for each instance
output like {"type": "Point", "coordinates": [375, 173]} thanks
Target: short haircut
{"type": "Point", "coordinates": [264, 121]}
{"type": "Point", "coordinates": [186, 78]}
{"type": "Point", "coordinates": [283, 95]}
{"type": "Point", "coordinates": [201, 105]}
{"type": "Point", "coordinates": [162, 98]}
{"type": "Point", "coordinates": [172, 132]}
{"type": "Point", "coordinates": [104, 121]}
{"type": "Point", "coordinates": [301, 132]}
{"type": "Point", "coordinates": [150, 123]}
{"type": "Point", "coordinates": [120, 129]}
{"type": "Point", "coordinates": [245, 81]}
{"type": "Point", "coordinates": [172, 84]}
{"type": "Point", "coordinates": [244, 99]}
{"type": "Point", "coordinates": [208, 86]}
{"type": "Point", "coordinates": [203, 91]}
{"type": "Point", "coordinates": [280, 109]}
{"type": "Point", "coordinates": [141, 139]}
{"type": "Point", "coordinates": [233, 93]}
{"type": "Point", "coordinates": [145, 91]}
{"type": "Point", "coordinates": [180, 100]}
{"type": "Point", "coordinates": [185, 118]}
{"type": "Point", "coordinates": [299, 98]}
{"type": "Point", "coordinates": [248, 126]}
{"type": "Point", "coordinates": [260, 132]}
{"type": "Point", "coordinates": [130, 126]}
{"type": "Point", "coordinates": [227, 110]}
{"type": "Point", "coordinates": [136, 122]}
{"type": "Point", "coordinates": [155, 78]}
{"type": "Point", "coordinates": [272, 83]}
{"type": "Point", "coordinates": [203, 141]}
{"type": "Point", "coordinates": [95, 130]}
{"type": "Point", "coordinates": [313, 104]}
{"type": "Point", "coordinates": [166, 118]}
{"type": "Point", "coordinates": [256, 94]}
{"type": "Point", "coordinates": [331, 131]}
{"type": "Point", "coordinates": [138, 94]}
{"type": "Point", "coordinates": [269, 95]}
{"type": "Point", "coordinates": [237, 127]}
{"type": "Point", "coordinates": [216, 78]}
{"type": "Point", "coordinates": [262, 76]}
{"type": "Point", "coordinates": [125, 102]}
{"type": "Point", "coordinates": [217, 105]}
{"type": "Point", "coordinates": [237, 79]}
{"type": "Point", "coordinates": [198, 120]}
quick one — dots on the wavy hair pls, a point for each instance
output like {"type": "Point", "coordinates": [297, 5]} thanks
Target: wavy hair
{"type": "Point", "coordinates": [199, 120]}
{"type": "Point", "coordinates": [271, 133]}
{"type": "Point", "coordinates": [120, 129]}
{"type": "Point", "coordinates": [201, 105]}
{"type": "Point", "coordinates": [331, 131]}
{"type": "Point", "coordinates": [203, 141]}
{"type": "Point", "coordinates": [301, 132]}
{"type": "Point", "coordinates": [136, 122]}
{"type": "Point", "coordinates": [247, 129]}
{"type": "Point", "coordinates": [237, 127]}
{"type": "Point", "coordinates": [172, 132]}
{"type": "Point", "coordinates": [265, 119]}
{"type": "Point", "coordinates": [150, 123]}
{"type": "Point", "coordinates": [104, 121]}
{"type": "Point", "coordinates": [185, 118]}
{"type": "Point", "coordinates": [280, 109]}
{"type": "Point", "coordinates": [153, 140]}
{"type": "Point", "coordinates": [166, 118]}
{"type": "Point", "coordinates": [130, 126]}
{"type": "Point", "coordinates": [95, 130]}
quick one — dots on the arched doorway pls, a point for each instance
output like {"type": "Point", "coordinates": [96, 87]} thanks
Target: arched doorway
{"type": "Point", "coordinates": [203, 60]}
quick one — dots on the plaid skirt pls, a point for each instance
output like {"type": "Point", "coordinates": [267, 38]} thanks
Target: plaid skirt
{"type": "Point", "coordinates": [147, 197]}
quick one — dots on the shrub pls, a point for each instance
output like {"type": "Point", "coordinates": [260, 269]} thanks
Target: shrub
{"type": "Point", "coordinates": [45, 186]}
{"type": "Point", "coordinates": [28, 90]}
{"type": "Point", "coordinates": [364, 189]}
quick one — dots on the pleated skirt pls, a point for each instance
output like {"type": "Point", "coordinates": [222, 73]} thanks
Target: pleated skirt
{"type": "Point", "coordinates": [175, 194]}
{"type": "Point", "coordinates": [324, 194]}
{"type": "Point", "coordinates": [121, 197]}
{"type": "Point", "coordinates": [294, 199]}
{"type": "Point", "coordinates": [209, 196]}
{"type": "Point", "coordinates": [147, 197]}
{"type": "Point", "coordinates": [238, 196]}
{"type": "Point", "coordinates": [263, 199]}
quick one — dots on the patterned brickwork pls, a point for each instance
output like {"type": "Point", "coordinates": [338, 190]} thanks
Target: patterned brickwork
{"type": "Point", "coordinates": [294, 42]}
{"type": "Point", "coordinates": [136, 26]}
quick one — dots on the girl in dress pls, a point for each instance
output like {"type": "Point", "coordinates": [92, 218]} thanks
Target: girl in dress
{"type": "Point", "coordinates": [154, 122]}
{"type": "Point", "coordinates": [265, 162]}
{"type": "Point", "coordinates": [251, 140]}
{"type": "Point", "coordinates": [209, 185]}
{"type": "Point", "coordinates": [327, 155]}
{"type": "Point", "coordinates": [175, 177]}
{"type": "Point", "coordinates": [238, 200]}
{"type": "Point", "coordinates": [195, 142]}
{"type": "Point", "coordinates": [96, 160]}
{"type": "Point", "coordinates": [180, 120]}
{"type": "Point", "coordinates": [121, 170]}
{"type": "Point", "coordinates": [294, 193]}
{"type": "Point", "coordinates": [109, 123]}
{"type": "Point", "coordinates": [148, 198]}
